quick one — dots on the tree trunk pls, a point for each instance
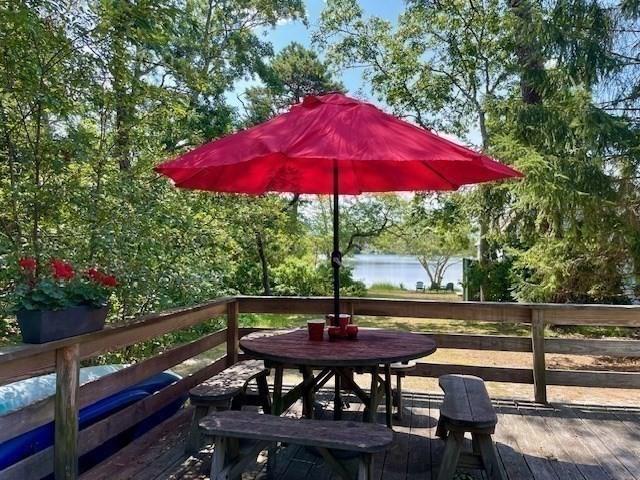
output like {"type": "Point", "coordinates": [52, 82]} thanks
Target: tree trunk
{"type": "Point", "coordinates": [266, 287]}
{"type": "Point", "coordinates": [530, 58]}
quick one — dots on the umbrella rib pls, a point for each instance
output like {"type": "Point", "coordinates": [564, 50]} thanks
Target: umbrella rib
{"type": "Point", "coordinates": [453, 186]}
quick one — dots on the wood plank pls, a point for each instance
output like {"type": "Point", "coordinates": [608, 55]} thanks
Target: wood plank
{"type": "Point", "coordinates": [532, 449]}
{"type": "Point", "coordinates": [40, 413]}
{"type": "Point", "coordinates": [40, 358]}
{"type": "Point", "coordinates": [489, 374]}
{"type": "Point", "coordinates": [136, 459]}
{"type": "Point", "coordinates": [602, 379]}
{"type": "Point", "coordinates": [591, 442]}
{"type": "Point", "coordinates": [550, 448]}
{"type": "Point", "coordinates": [506, 438]}
{"type": "Point", "coordinates": [555, 314]}
{"type": "Point", "coordinates": [397, 458]}
{"type": "Point", "coordinates": [476, 311]}
{"type": "Point", "coordinates": [233, 310]}
{"type": "Point", "coordinates": [502, 343]}
{"type": "Point", "coordinates": [344, 435]}
{"type": "Point", "coordinates": [613, 434]}
{"type": "Point", "coordinates": [568, 448]}
{"type": "Point", "coordinates": [228, 383]}
{"type": "Point", "coordinates": [539, 362]}
{"type": "Point", "coordinates": [418, 462]}
{"type": "Point", "coordinates": [466, 403]}
{"type": "Point", "coordinates": [65, 453]}
{"type": "Point", "coordinates": [593, 346]}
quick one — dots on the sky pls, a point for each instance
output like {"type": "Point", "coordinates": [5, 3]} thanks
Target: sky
{"type": "Point", "coordinates": [296, 31]}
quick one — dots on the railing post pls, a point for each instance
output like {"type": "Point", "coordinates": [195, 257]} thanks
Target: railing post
{"type": "Point", "coordinates": [233, 310]}
{"type": "Point", "coordinates": [66, 413]}
{"type": "Point", "coordinates": [539, 362]}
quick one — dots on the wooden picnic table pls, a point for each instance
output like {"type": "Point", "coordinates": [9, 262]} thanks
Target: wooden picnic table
{"type": "Point", "coordinates": [373, 351]}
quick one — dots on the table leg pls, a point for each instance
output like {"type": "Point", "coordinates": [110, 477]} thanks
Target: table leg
{"type": "Point", "coordinates": [308, 397]}
{"type": "Point", "coordinates": [388, 395]}
{"type": "Point", "coordinates": [371, 411]}
{"type": "Point", "coordinates": [337, 399]}
{"type": "Point", "coordinates": [276, 405]}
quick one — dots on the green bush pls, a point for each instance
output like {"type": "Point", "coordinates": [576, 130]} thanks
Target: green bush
{"type": "Point", "coordinates": [496, 278]}
{"type": "Point", "coordinates": [299, 276]}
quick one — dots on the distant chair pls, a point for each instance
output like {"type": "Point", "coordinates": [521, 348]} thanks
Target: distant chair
{"type": "Point", "coordinates": [420, 287]}
{"type": "Point", "coordinates": [449, 287]}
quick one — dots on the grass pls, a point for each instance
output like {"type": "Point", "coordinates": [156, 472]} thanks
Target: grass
{"type": "Point", "coordinates": [374, 291]}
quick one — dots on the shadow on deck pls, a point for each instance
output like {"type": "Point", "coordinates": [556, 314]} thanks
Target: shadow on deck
{"type": "Point", "coordinates": [557, 442]}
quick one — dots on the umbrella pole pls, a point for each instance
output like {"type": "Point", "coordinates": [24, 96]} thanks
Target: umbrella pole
{"type": "Point", "coordinates": [336, 256]}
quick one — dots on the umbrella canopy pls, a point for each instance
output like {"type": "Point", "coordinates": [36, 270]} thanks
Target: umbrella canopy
{"type": "Point", "coordinates": [296, 152]}
{"type": "Point", "coordinates": [332, 144]}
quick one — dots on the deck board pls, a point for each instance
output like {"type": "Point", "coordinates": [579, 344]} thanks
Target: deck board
{"type": "Point", "coordinates": [534, 442]}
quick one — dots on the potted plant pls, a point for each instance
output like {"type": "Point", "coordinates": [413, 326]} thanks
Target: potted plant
{"type": "Point", "coordinates": [60, 303]}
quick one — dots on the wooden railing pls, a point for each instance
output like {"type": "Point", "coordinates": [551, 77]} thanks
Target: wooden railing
{"type": "Point", "coordinates": [64, 357]}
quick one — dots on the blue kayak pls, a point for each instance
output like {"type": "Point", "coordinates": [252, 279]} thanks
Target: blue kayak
{"type": "Point", "coordinates": [22, 446]}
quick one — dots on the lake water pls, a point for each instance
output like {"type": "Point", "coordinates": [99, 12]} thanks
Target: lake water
{"type": "Point", "coordinates": [398, 269]}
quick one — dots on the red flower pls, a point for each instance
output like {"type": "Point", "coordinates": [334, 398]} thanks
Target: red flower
{"type": "Point", "coordinates": [61, 270]}
{"type": "Point", "coordinates": [99, 277]}
{"type": "Point", "coordinates": [94, 274]}
{"type": "Point", "coordinates": [109, 281]}
{"type": "Point", "coordinates": [28, 264]}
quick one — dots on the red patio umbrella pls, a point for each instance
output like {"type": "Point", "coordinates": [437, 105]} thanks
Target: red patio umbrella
{"type": "Point", "coordinates": [332, 144]}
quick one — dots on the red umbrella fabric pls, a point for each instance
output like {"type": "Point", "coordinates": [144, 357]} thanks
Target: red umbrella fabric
{"type": "Point", "coordinates": [332, 144]}
{"type": "Point", "coordinates": [296, 152]}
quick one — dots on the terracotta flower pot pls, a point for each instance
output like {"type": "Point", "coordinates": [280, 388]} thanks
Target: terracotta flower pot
{"type": "Point", "coordinates": [41, 326]}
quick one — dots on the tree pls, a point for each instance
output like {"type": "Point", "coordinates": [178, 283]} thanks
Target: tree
{"type": "Point", "coordinates": [434, 230]}
{"type": "Point", "coordinates": [294, 73]}
{"type": "Point", "coordinates": [91, 97]}
{"type": "Point", "coordinates": [362, 220]}
{"type": "Point", "coordinates": [528, 76]}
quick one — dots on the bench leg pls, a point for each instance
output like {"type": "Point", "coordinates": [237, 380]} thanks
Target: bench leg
{"type": "Point", "coordinates": [277, 405]}
{"type": "Point", "coordinates": [225, 464]}
{"type": "Point", "coordinates": [219, 459]}
{"type": "Point", "coordinates": [337, 398]}
{"type": "Point", "coordinates": [194, 439]}
{"type": "Point", "coordinates": [337, 467]}
{"type": "Point", "coordinates": [308, 397]}
{"type": "Point", "coordinates": [365, 467]}
{"type": "Point", "coordinates": [451, 456]}
{"type": "Point", "coordinates": [388, 394]}
{"type": "Point", "coordinates": [441, 431]}
{"type": "Point", "coordinates": [487, 450]}
{"type": "Point", "coordinates": [398, 396]}
{"type": "Point", "coordinates": [263, 391]}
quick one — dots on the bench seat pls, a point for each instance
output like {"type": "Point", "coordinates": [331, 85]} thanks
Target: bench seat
{"type": "Point", "coordinates": [230, 426]}
{"type": "Point", "coordinates": [227, 389]}
{"type": "Point", "coordinates": [467, 408]}
{"type": "Point", "coordinates": [228, 384]}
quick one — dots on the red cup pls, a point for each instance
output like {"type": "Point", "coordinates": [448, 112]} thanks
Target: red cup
{"type": "Point", "coordinates": [352, 332]}
{"type": "Point", "coordinates": [334, 333]}
{"type": "Point", "coordinates": [316, 330]}
{"type": "Point", "coordinates": [344, 321]}
{"type": "Point", "coordinates": [330, 319]}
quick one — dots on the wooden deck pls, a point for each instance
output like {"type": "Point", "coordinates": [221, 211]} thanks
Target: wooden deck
{"type": "Point", "coordinates": [572, 442]}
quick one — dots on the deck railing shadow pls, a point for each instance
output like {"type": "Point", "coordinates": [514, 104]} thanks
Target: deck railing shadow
{"type": "Point", "coordinates": [65, 356]}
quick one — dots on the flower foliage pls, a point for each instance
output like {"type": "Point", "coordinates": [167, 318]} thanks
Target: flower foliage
{"type": "Point", "coordinates": [60, 286]}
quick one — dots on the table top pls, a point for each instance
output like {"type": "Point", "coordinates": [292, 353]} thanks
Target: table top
{"type": "Point", "coordinates": [372, 347]}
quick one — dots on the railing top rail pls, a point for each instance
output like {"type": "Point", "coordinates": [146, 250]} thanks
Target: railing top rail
{"type": "Point", "coordinates": [118, 336]}
{"type": "Point", "coordinates": [487, 305]}
{"type": "Point", "coordinates": [553, 313]}
{"type": "Point", "coordinates": [123, 334]}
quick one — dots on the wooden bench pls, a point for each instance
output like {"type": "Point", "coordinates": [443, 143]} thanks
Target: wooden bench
{"type": "Point", "coordinates": [230, 426]}
{"type": "Point", "coordinates": [467, 408]}
{"type": "Point", "coordinates": [226, 390]}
